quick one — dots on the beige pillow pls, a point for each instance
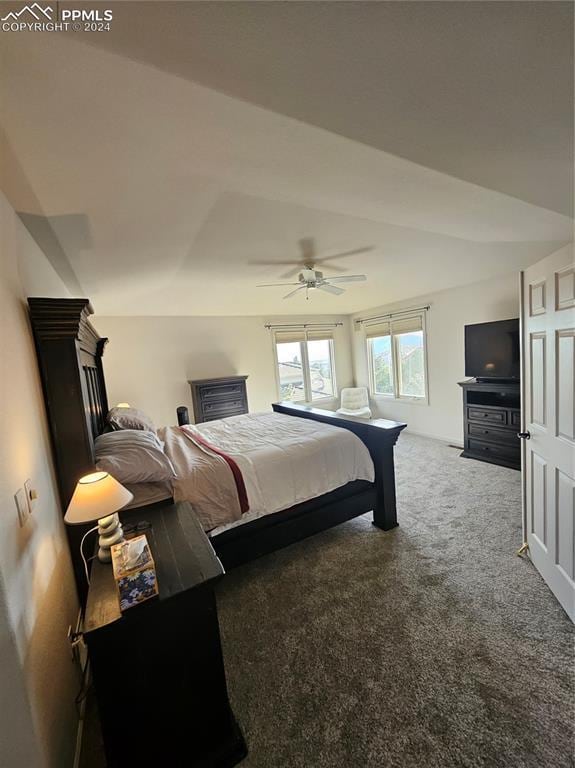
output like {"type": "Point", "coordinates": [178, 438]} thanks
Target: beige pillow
{"type": "Point", "coordinates": [130, 418]}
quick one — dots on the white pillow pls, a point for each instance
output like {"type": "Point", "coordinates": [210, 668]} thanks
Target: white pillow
{"type": "Point", "coordinates": [133, 456]}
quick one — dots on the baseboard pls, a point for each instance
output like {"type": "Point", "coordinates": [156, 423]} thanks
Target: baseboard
{"type": "Point", "coordinates": [453, 442]}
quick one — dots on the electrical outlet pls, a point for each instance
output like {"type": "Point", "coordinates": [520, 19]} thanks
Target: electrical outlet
{"type": "Point", "coordinates": [31, 495]}
{"type": "Point", "coordinates": [21, 506]}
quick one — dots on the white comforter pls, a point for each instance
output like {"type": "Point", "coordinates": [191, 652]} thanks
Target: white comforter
{"type": "Point", "coordinates": [286, 460]}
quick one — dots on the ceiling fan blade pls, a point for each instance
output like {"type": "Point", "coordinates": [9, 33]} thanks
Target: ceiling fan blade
{"type": "Point", "coordinates": [291, 293]}
{"type": "Point", "coordinates": [353, 252]}
{"type": "Point", "coordinates": [271, 285]}
{"type": "Point", "coordinates": [333, 267]}
{"type": "Point", "coordinates": [330, 288]}
{"type": "Point", "coordinates": [293, 271]}
{"type": "Point", "coordinates": [325, 261]}
{"type": "Point", "coordinates": [348, 278]}
{"type": "Point", "coordinates": [307, 248]}
{"type": "Point", "coordinates": [264, 263]}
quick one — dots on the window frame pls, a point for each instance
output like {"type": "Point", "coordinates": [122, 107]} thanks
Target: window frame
{"type": "Point", "coordinates": [395, 362]}
{"type": "Point", "coordinates": [306, 369]}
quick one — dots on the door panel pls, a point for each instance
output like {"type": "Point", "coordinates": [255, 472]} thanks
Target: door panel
{"type": "Point", "coordinates": [565, 384]}
{"type": "Point", "coordinates": [537, 298]}
{"type": "Point", "coordinates": [538, 377]}
{"type": "Point", "coordinates": [548, 458]}
{"type": "Point", "coordinates": [565, 516]}
{"type": "Point", "coordinates": [539, 498]}
{"type": "Point", "coordinates": [565, 288]}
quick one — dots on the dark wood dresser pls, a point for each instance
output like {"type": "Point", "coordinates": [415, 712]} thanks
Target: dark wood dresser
{"type": "Point", "coordinates": [218, 398]}
{"type": "Point", "coordinates": [491, 421]}
{"type": "Point", "coordinates": [157, 668]}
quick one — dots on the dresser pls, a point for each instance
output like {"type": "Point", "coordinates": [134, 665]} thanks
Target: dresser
{"type": "Point", "coordinates": [491, 421]}
{"type": "Point", "coordinates": [157, 668]}
{"type": "Point", "coordinates": [218, 398]}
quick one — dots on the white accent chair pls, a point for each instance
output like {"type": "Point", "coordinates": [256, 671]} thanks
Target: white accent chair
{"type": "Point", "coordinates": [355, 402]}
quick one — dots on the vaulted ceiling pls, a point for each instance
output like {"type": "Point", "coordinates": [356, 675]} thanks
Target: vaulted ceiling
{"type": "Point", "coordinates": [160, 163]}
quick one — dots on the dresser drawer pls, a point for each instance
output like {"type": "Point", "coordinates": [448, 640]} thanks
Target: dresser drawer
{"type": "Point", "coordinates": [221, 408]}
{"type": "Point", "coordinates": [507, 451]}
{"type": "Point", "coordinates": [514, 418]}
{"type": "Point", "coordinates": [487, 432]}
{"type": "Point", "coordinates": [484, 414]}
{"type": "Point", "coordinates": [220, 391]}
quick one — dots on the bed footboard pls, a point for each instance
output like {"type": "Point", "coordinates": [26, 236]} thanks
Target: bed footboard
{"type": "Point", "coordinates": [379, 436]}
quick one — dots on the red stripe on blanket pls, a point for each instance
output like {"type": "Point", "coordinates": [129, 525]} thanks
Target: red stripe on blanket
{"type": "Point", "coordinates": [236, 471]}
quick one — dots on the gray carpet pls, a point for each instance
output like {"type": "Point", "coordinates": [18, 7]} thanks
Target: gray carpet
{"type": "Point", "coordinates": [431, 645]}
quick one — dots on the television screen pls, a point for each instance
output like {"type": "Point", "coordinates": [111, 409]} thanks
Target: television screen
{"type": "Point", "coordinates": [492, 350]}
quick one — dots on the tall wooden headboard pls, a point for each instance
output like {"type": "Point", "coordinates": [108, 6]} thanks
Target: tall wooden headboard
{"type": "Point", "coordinates": [70, 360]}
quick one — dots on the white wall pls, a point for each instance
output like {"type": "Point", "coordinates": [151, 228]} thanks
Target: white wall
{"type": "Point", "coordinates": [149, 360]}
{"type": "Point", "coordinates": [496, 299]}
{"type": "Point", "coordinates": [37, 597]}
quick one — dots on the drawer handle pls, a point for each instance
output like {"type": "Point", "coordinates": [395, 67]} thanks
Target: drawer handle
{"type": "Point", "coordinates": [524, 435]}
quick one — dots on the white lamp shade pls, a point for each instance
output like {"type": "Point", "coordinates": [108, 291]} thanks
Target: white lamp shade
{"type": "Point", "coordinates": [96, 495]}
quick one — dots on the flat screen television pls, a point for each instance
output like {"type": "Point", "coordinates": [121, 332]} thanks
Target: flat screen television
{"type": "Point", "coordinates": [492, 350]}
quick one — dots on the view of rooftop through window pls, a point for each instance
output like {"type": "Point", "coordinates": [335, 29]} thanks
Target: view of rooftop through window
{"type": "Point", "coordinates": [307, 359]}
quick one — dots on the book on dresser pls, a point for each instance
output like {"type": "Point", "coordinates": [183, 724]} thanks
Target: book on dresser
{"type": "Point", "coordinates": [491, 421]}
{"type": "Point", "coordinates": [218, 398]}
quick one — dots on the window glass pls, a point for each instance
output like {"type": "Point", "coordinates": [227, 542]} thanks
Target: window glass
{"type": "Point", "coordinates": [382, 365]}
{"type": "Point", "coordinates": [290, 369]}
{"type": "Point", "coordinates": [411, 364]}
{"type": "Point", "coordinates": [396, 355]}
{"type": "Point", "coordinates": [320, 368]}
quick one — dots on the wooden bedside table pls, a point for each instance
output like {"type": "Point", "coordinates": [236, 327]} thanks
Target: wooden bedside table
{"type": "Point", "coordinates": [158, 669]}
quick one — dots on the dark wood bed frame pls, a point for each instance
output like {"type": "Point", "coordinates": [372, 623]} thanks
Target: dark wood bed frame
{"type": "Point", "coordinates": [70, 359]}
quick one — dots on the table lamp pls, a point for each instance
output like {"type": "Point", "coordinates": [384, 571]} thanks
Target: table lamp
{"type": "Point", "coordinates": [99, 496]}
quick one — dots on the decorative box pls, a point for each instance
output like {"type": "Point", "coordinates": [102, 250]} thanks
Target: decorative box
{"type": "Point", "coordinates": [134, 571]}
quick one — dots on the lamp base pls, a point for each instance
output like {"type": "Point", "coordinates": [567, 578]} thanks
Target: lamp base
{"type": "Point", "coordinates": [110, 532]}
{"type": "Point", "coordinates": [104, 555]}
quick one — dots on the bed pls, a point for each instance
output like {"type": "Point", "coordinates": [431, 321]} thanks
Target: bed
{"type": "Point", "coordinates": [70, 354]}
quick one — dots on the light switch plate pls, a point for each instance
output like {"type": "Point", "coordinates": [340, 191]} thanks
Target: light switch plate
{"type": "Point", "coordinates": [21, 506]}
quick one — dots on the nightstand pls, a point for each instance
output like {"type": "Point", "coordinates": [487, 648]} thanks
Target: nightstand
{"type": "Point", "coordinates": [158, 669]}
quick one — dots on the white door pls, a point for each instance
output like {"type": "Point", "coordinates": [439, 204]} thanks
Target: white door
{"type": "Point", "coordinates": [548, 330]}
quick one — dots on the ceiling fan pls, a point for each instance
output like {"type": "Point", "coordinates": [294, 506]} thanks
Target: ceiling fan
{"type": "Point", "coordinates": [310, 279]}
{"type": "Point", "coordinates": [310, 260]}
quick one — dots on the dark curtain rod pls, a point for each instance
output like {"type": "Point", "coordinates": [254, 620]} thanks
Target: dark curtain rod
{"type": "Point", "coordinates": [303, 325]}
{"type": "Point", "coordinates": [391, 315]}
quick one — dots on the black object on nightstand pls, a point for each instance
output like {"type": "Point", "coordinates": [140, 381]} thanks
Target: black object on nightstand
{"type": "Point", "coordinates": [157, 668]}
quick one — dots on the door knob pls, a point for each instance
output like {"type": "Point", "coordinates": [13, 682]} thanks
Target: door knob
{"type": "Point", "coordinates": [524, 435]}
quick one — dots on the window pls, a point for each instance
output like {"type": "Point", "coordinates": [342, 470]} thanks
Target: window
{"type": "Point", "coordinates": [396, 354]}
{"type": "Point", "coordinates": [305, 365]}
